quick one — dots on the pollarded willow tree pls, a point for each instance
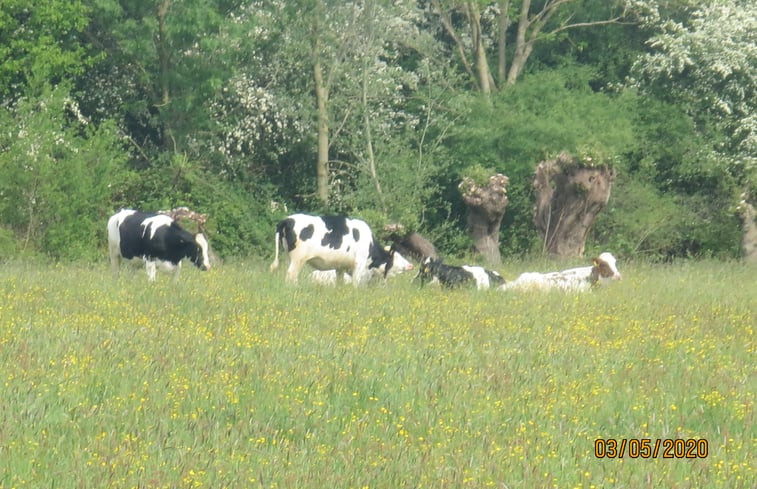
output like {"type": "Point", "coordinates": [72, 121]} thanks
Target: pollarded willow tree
{"type": "Point", "coordinates": [486, 203]}
{"type": "Point", "coordinates": [570, 193]}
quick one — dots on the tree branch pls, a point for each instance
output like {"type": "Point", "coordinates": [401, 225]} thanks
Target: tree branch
{"type": "Point", "coordinates": [447, 23]}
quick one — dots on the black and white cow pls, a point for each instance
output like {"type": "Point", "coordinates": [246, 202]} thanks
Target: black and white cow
{"type": "Point", "coordinates": [331, 243]}
{"type": "Point", "coordinates": [432, 270]}
{"type": "Point", "coordinates": [155, 238]}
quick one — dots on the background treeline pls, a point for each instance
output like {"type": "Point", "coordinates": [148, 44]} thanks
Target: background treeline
{"type": "Point", "coordinates": [245, 110]}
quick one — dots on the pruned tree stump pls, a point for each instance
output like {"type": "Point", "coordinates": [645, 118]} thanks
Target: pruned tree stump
{"type": "Point", "coordinates": [486, 208]}
{"type": "Point", "coordinates": [570, 193]}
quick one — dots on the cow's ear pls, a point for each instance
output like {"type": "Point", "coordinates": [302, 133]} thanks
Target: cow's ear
{"type": "Point", "coordinates": [595, 261]}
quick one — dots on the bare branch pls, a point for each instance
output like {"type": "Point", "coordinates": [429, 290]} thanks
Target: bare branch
{"type": "Point", "coordinates": [615, 20]}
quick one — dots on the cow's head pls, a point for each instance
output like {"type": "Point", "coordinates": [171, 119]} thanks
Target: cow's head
{"type": "Point", "coordinates": [605, 268]}
{"type": "Point", "coordinates": [200, 254]}
{"type": "Point", "coordinates": [427, 269]}
{"type": "Point", "coordinates": [382, 260]}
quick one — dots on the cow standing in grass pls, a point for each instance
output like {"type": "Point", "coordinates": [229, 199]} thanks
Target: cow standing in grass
{"type": "Point", "coordinates": [331, 243]}
{"type": "Point", "coordinates": [449, 276]}
{"type": "Point", "coordinates": [157, 240]}
{"type": "Point", "coordinates": [602, 271]}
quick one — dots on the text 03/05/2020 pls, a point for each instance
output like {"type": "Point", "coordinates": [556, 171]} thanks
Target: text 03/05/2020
{"type": "Point", "coordinates": [648, 448]}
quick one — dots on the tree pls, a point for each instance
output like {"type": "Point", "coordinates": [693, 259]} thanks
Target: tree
{"type": "Point", "coordinates": [40, 43]}
{"type": "Point", "coordinates": [486, 206]}
{"type": "Point", "coordinates": [704, 60]}
{"type": "Point", "coordinates": [569, 194]}
{"type": "Point", "coordinates": [153, 74]}
{"type": "Point", "coordinates": [483, 30]}
{"type": "Point", "coordinates": [544, 114]}
{"type": "Point", "coordinates": [59, 174]}
{"type": "Point", "coordinates": [708, 64]}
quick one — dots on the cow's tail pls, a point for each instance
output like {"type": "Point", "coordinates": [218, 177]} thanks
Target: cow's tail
{"type": "Point", "coordinates": [283, 231]}
{"type": "Point", "coordinates": [275, 263]}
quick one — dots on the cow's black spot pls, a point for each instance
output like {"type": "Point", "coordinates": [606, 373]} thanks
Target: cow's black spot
{"type": "Point", "coordinates": [307, 232]}
{"type": "Point", "coordinates": [355, 234]}
{"type": "Point", "coordinates": [337, 230]}
{"type": "Point", "coordinates": [285, 230]}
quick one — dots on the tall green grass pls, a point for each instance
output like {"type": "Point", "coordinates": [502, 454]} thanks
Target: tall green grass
{"type": "Point", "coordinates": [232, 378]}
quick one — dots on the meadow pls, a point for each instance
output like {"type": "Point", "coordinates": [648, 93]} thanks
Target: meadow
{"type": "Point", "coordinates": [233, 379]}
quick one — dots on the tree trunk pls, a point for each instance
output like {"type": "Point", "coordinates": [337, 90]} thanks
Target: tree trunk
{"type": "Point", "coordinates": [486, 208]}
{"type": "Point", "coordinates": [749, 236]}
{"type": "Point", "coordinates": [485, 80]}
{"type": "Point", "coordinates": [322, 161]}
{"type": "Point", "coordinates": [569, 196]}
{"type": "Point", "coordinates": [504, 23]}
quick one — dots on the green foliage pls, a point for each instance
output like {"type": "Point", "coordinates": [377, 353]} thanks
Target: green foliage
{"type": "Point", "coordinates": [643, 221]}
{"type": "Point", "coordinates": [58, 175]}
{"type": "Point", "coordinates": [671, 197]}
{"type": "Point", "coordinates": [240, 221]}
{"type": "Point", "coordinates": [8, 243]}
{"type": "Point", "coordinates": [707, 64]}
{"type": "Point", "coordinates": [39, 43]}
{"type": "Point", "coordinates": [408, 186]}
{"type": "Point", "coordinates": [478, 173]}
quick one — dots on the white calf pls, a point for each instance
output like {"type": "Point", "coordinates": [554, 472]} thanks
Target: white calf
{"type": "Point", "coordinates": [602, 272]}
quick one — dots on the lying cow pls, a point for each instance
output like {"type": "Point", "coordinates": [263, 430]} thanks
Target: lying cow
{"type": "Point", "coordinates": [331, 243]}
{"type": "Point", "coordinates": [157, 240]}
{"type": "Point", "coordinates": [603, 271]}
{"type": "Point", "coordinates": [432, 270]}
{"type": "Point", "coordinates": [329, 277]}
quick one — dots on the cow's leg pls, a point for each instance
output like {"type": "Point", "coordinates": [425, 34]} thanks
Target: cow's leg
{"type": "Point", "coordinates": [176, 272]}
{"type": "Point", "coordinates": [115, 259]}
{"type": "Point", "coordinates": [294, 270]}
{"type": "Point", "coordinates": [360, 275]}
{"type": "Point", "coordinates": [151, 269]}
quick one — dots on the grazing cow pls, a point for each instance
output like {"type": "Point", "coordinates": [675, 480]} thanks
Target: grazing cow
{"type": "Point", "coordinates": [155, 238]}
{"type": "Point", "coordinates": [432, 270]}
{"type": "Point", "coordinates": [331, 243]}
{"type": "Point", "coordinates": [602, 271]}
{"type": "Point", "coordinates": [399, 265]}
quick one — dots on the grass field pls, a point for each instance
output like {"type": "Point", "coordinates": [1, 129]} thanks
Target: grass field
{"type": "Point", "coordinates": [233, 379]}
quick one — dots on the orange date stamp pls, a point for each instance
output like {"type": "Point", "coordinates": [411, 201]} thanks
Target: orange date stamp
{"type": "Point", "coordinates": [649, 448]}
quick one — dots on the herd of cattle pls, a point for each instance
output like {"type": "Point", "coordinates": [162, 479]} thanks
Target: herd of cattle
{"type": "Point", "coordinates": [335, 246]}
